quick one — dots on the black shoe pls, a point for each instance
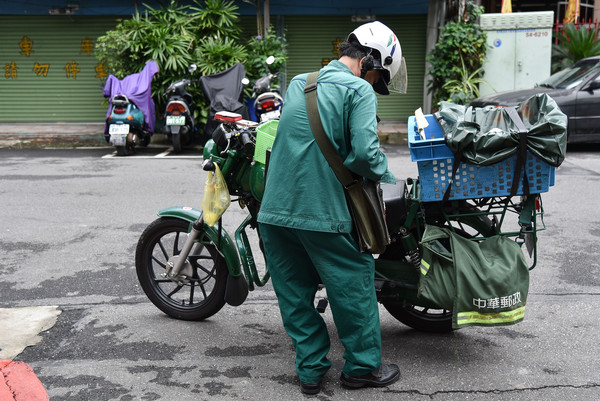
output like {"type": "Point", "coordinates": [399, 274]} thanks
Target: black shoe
{"type": "Point", "coordinates": [383, 376]}
{"type": "Point", "coordinates": [310, 388]}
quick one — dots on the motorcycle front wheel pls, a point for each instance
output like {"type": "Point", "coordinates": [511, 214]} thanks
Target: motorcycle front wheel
{"type": "Point", "coordinates": [203, 292]}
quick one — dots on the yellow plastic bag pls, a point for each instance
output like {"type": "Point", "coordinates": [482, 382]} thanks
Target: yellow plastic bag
{"type": "Point", "coordinates": [216, 197]}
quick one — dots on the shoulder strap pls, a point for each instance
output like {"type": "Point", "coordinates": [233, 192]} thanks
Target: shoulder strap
{"type": "Point", "coordinates": [333, 158]}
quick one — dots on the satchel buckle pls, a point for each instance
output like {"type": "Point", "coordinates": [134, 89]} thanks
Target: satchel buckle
{"type": "Point", "coordinates": [353, 183]}
{"type": "Point", "coordinates": [310, 87]}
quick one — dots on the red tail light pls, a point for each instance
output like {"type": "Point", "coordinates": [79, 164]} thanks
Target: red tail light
{"type": "Point", "coordinates": [175, 109]}
{"type": "Point", "coordinates": [120, 110]}
{"type": "Point", "coordinates": [268, 105]}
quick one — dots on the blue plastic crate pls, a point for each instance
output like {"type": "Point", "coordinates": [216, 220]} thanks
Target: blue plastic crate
{"type": "Point", "coordinates": [435, 162]}
{"type": "Point", "coordinates": [434, 144]}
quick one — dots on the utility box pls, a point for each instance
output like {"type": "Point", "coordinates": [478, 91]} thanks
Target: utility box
{"type": "Point", "coordinates": [520, 50]}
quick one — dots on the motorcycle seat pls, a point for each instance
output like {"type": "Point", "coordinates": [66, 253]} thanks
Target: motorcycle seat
{"type": "Point", "coordinates": [120, 100]}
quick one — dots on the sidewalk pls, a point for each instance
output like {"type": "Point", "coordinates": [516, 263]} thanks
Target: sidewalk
{"type": "Point", "coordinates": [393, 132]}
{"type": "Point", "coordinates": [92, 134]}
{"type": "Point", "coordinates": [51, 134]}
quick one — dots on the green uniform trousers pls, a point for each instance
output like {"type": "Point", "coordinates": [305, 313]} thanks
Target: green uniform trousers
{"type": "Point", "coordinates": [296, 260]}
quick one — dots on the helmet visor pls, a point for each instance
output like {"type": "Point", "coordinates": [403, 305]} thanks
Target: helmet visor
{"type": "Point", "coordinates": [399, 83]}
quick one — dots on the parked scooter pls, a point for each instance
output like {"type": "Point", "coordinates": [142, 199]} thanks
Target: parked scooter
{"type": "Point", "coordinates": [179, 114]}
{"type": "Point", "coordinates": [130, 116]}
{"type": "Point", "coordinates": [268, 102]}
{"type": "Point", "coordinates": [224, 91]}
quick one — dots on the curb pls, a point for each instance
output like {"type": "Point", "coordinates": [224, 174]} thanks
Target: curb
{"type": "Point", "coordinates": [18, 382]}
{"type": "Point", "coordinates": [40, 135]}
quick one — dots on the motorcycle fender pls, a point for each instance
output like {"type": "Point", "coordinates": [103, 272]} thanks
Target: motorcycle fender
{"type": "Point", "coordinates": [174, 129]}
{"type": "Point", "coordinates": [227, 248]}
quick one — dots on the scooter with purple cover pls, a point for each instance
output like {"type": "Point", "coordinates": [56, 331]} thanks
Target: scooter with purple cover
{"type": "Point", "coordinates": [130, 117]}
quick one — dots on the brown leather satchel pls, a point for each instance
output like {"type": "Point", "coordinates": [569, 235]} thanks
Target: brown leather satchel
{"type": "Point", "coordinates": [364, 197]}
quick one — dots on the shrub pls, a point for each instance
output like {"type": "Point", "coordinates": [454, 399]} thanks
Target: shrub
{"type": "Point", "coordinates": [574, 43]}
{"type": "Point", "coordinates": [458, 57]}
{"type": "Point", "coordinates": [176, 36]}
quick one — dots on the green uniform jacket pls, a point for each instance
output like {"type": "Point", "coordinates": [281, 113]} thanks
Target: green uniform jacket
{"type": "Point", "coordinates": [301, 190]}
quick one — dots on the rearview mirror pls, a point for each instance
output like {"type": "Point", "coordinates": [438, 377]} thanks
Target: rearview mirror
{"type": "Point", "coordinates": [593, 85]}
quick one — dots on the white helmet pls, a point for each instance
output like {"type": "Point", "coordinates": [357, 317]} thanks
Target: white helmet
{"type": "Point", "coordinates": [387, 58]}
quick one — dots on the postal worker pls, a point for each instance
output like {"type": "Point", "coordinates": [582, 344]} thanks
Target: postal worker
{"type": "Point", "coordinates": [304, 220]}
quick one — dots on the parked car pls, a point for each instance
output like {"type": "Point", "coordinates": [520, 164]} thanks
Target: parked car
{"type": "Point", "coordinates": [575, 89]}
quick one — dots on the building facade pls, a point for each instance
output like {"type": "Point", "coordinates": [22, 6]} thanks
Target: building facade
{"type": "Point", "coordinates": [50, 73]}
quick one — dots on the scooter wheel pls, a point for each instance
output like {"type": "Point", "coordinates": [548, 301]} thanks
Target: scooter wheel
{"type": "Point", "coordinates": [176, 139]}
{"type": "Point", "coordinates": [125, 150]}
{"type": "Point", "coordinates": [202, 293]}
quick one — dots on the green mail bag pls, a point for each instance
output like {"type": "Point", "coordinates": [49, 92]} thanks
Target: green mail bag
{"type": "Point", "coordinates": [483, 283]}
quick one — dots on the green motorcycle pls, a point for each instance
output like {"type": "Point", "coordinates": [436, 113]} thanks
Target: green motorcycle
{"type": "Point", "coordinates": [190, 270]}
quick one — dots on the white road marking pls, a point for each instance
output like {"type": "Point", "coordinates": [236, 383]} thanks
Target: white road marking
{"type": "Point", "coordinates": [167, 154]}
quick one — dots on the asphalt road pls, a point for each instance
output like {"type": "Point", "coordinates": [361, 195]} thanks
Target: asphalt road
{"type": "Point", "coordinates": [70, 223]}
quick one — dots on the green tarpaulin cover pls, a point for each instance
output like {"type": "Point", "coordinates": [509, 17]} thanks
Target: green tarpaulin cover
{"type": "Point", "coordinates": [483, 283]}
{"type": "Point", "coordinates": [487, 135]}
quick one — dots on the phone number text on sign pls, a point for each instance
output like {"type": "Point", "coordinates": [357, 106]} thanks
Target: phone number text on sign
{"type": "Point", "coordinates": [536, 34]}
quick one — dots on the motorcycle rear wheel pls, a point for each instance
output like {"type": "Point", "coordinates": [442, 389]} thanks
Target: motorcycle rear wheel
{"type": "Point", "coordinates": [439, 320]}
{"type": "Point", "coordinates": [420, 318]}
{"type": "Point", "coordinates": [198, 299]}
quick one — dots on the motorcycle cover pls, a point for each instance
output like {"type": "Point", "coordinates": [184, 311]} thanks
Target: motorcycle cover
{"type": "Point", "coordinates": [483, 283]}
{"type": "Point", "coordinates": [487, 135]}
{"type": "Point", "coordinates": [137, 89]}
{"type": "Point", "coordinates": [223, 90]}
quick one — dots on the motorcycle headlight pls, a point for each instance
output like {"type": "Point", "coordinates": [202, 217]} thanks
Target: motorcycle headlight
{"type": "Point", "coordinates": [221, 136]}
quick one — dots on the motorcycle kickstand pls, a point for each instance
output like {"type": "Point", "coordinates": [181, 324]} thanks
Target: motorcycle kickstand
{"type": "Point", "coordinates": [322, 305]}
{"type": "Point", "coordinates": [323, 302]}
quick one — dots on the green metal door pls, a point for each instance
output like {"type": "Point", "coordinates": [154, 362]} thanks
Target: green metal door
{"type": "Point", "coordinates": [50, 73]}
{"type": "Point", "coordinates": [312, 43]}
